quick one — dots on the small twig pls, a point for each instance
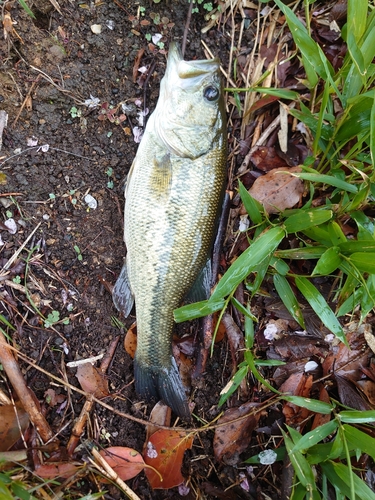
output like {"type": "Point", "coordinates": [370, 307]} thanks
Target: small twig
{"type": "Point", "coordinates": [150, 71]}
{"type": "Point", "coordinates": [221, 68]}
{"type": "Point", "coordinates": [61, 89]}
{"type": "Point", "coordinates": [17, 380]}
{"type": "Point", "coordinates": [25, 100]}
{"type": "Point", "coordinates": [262, 139]}
{"type": "Point", "coordinates": [80, 424]}
{"type": "Point", "coordinates": [4, 399]}
{"type": "Point", "coordinates": [211, 426]}
{"type": "Point", "coordinates": [8, 264]}
{"type": "Point", "coordinates": [3, 124]}
{"type": "Point", "coordinates": [38, 148]}
{"type": "Point", "coordinates": [187, 26]}
{"type": "Point", "coordinates": [107, 471]}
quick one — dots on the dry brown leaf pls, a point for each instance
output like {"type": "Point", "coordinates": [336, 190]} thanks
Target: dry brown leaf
{"type": "Point", "coordinates": [232, 439]}
{"type": "Point", "coordinates": [368, 389]}
{"type": "Point", "coordinates": [349, 395]}
{"type": "Point", "coordinates": [130, 342]}
{"type": "Point", "coordinates": [278, 189]}
{"type": "Point", "coordinates": [92, 381]}
{"type": "Point", "coordinates": [126, 462]}
{"type": "Point", "coordinates": [235, 338]}
{"type": "Point", "coordinates": [320, 418]}
{"type": "Point", "coordinates": [57, 469]}
{"type": "Point", "coordinates": [298, 384]}
{"type": "Point", "coordinates": [160, 415]}
{"type": "Point", "coordinates": [13, 421]}
{"type": "Point", "coordinates": [294, 347]}
{"type": "Point", "coordinates": [164, 451]}
{"type": "Point", "coordinates": [266, 159]}
{"type": "Point", "coordinates": [283, 372]}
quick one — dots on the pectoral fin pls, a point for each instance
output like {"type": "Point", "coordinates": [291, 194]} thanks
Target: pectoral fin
{"type": "Point", "coordinates": [161, 177]}
{"type": "Point", "coordinates": [128, 177]}
{"type": "Point", "coordinates": [122, 294]}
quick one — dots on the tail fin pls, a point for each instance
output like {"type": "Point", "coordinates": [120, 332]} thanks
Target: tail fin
{"type": "Point", "coordinates": [157, 382]}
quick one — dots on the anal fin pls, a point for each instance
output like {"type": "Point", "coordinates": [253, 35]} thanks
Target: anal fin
{"type": "Point", "coordinates": [122, 294]}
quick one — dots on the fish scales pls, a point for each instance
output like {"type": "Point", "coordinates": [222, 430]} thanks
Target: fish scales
{"type": "Point", "coordinates": [173, 198]}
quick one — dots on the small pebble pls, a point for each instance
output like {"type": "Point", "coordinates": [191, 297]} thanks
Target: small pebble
{"type": "Point", "coordinates": [91, 201]}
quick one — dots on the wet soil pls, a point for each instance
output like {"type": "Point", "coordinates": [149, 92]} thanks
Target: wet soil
{"type": "Point", "coordinates": [56, 149]}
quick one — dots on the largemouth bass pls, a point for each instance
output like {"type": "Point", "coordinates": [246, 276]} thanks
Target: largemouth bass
{"type": "Point", "coordinates": [172, 202]}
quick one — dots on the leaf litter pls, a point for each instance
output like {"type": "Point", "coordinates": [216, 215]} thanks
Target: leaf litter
{"type": "Point", "coordinates": [256, 154]}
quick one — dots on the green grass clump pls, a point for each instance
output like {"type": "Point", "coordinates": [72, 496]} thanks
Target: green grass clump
{"type": "Point", "coordinates": [340, 115]}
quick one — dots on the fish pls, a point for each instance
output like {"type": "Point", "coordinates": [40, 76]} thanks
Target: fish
{"type": "Point", "coordinates": [173, 197]}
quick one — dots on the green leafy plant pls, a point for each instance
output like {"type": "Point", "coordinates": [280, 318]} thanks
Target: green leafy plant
{"type": "Point", "coordinates": [53, 318]}
{"type": "Point", "coordinates": [78, 252]}
{"type": "Point", "coordinates": [11, 488]}
{"type": "Point", "coordinates": [339, 171]}
{"type": "Point", "coordinates": [343, 174]}
{"type": "Point", "coordinates": [75, 112]}
{"type": "Point", "coordinates": [26, 8]}
{"type": "Point", "coordinates": [330, 448]}
{"type": "Point", "coordinates": [110, 183]}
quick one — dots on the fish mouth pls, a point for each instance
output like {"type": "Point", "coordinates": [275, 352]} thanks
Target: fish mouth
{"type": "Point", "coordinates": [190, 69]}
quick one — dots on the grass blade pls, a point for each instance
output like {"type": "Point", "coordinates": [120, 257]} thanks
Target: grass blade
{"type": "Point", "coordinates": [328, 179]}
{"type": "Point", "coordinates": [359, 440]}
{"type": "Point", "coordinates": [289, 299]}
{"type": "Point", "coordinates": [328, 262]}
{"type": "Point", "coordinates": [247, 262]}
{"type": "Point", "coordinates": [357, 18]}
{"type": "Point", "coordinates": [357, 417]}
{"type": "Point", "coordinates": [197, 310]}
{"type": "Point", "coordinates": [300, 465]}
{"type": "Point", "coordinates": [309, 49]}
{"type": "Point", "coordinates": [315, 436]}
{"type": "Point", "coordinates": [310, 404]}
{"type": "Point", "coordinates": [320, 306]}
{"type": "Point", "coordinates": [253, 207]}
{"type": "Point", "coordinates": [304, 220]}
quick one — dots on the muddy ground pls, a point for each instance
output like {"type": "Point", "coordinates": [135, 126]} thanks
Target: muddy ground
{"type": "Point", "coordinates": [56, 149]}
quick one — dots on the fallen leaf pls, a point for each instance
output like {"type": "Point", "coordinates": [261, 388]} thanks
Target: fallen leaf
{"type": "Point", "coordinates": [236, 339]}
{"type": "Point", "coordinates": [160, 415]}
{"type": "Point", "coordinates": [126, 462]}
{"type": "Point", "coordinates": [136, 63]}
{"type": "Point", "coordinates": [278, 189]}
{"type": "Point", "coordinates": [58, 469]}
{"type": "Point", "coordinates": [232, 439]}
{"type": "Point", "coordinates": [283, 372]}
{"type": "Point", "coordinates": [349, 395]}
{"type": "Point", "coordinates": [164, 451]}
{"type": "Point", "coordinates": [266, 159]}
{"type": "Point", "coordinates": [298, 384]}
{"type": "Point", "coordinates": [130, 342]}
{"type": "Point", "coordinates": [92, 381]}
{"type": "Point", "coordinates": [53, 399]}
{"type": "Point", "coordinates": [321, 418]}
{"type": "Point", "coordinates": [295, 347]}
{"type": "Point", "coordinates": [13, 421]}
{"type": "Point", "coordinates": [368, 389]}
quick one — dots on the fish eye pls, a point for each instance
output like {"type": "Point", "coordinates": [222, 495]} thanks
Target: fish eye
{"type": "Point", "coordinates": [211, 93]}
